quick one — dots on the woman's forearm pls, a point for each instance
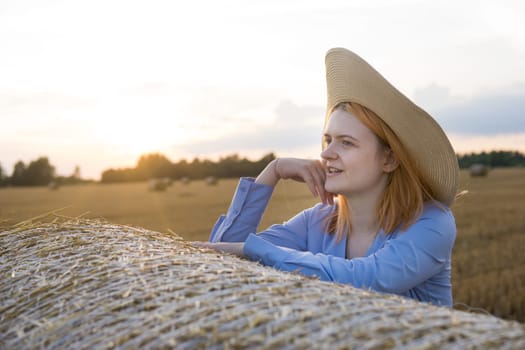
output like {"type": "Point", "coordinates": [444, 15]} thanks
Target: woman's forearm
{"type": "Point", "coordinates": [269, 176]}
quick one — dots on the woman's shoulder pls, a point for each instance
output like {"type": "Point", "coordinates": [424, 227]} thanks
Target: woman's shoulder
{"type": "Point", "coordinates": [438, 218]}
{"type": "Point", "coordinates": [436, 211]}
{"type": "Point", "coordinates": [435, 228]}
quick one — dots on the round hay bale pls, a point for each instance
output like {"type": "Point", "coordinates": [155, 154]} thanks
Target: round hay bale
{"type": "Point", "coordinates": [168, 181]}
{"type": "Point", "coordinates": [157, 185]}
{"type": "Point", "coordinates": [185, 180]}
{"type": "Point", "coordinates": [53, 186]}
{"type": "Point", "coordinates": [86, 284]}
{"type": "Point", "coordinates": [478, 170]}
{"type": "Point", "coordinates": [211, 181]}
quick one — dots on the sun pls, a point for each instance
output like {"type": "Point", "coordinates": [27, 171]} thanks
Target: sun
{"type": "Point", "coordinates": [136, 124]}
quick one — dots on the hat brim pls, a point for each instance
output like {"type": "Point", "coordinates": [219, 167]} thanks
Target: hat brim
{"type": "Point", "coordinates": [351, 79]}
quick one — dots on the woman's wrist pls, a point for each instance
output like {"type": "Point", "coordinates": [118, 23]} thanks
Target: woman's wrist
{"type": "Point", "coordinates": [270, 175]}
{"type": "Point", "coordinates": [275, 169]}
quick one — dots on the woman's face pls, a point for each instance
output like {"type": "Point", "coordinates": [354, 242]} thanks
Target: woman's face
{"type": "Point", "coordinates": [356, 163]}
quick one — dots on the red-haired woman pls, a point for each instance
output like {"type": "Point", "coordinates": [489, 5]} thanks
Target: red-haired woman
{"type": "Point", "coordinates": [387, 177]}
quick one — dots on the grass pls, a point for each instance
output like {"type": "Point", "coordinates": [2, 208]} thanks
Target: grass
{"type": "Point", "coordinates": [189, 210]}
{"type": "Point", "coordinates": [488, 259]}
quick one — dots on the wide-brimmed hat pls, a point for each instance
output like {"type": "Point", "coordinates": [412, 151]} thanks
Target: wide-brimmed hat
{"type": "Point", "coordinates": [351, 79]}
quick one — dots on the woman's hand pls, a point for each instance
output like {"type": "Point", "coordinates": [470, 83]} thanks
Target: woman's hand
{"type": "Point", "coordinates": [235, 248]}
{"type": "Point", "coordinates": [311, 172]}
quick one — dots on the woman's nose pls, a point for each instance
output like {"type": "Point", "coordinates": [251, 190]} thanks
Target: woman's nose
{"type": "Point", "coordinates": [328, 153]}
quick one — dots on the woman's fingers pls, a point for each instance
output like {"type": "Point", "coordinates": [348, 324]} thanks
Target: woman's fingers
{"type": "Point", "coordinates": [320, 178]}
{"type": "Point", "coordinates": [310, 177]}
{"type": "Point", "coordinates": [311, 172]}
{"type": "Point", "coordinates": [316, 179]}
{"type": "Point", "coordinates": [200, 244]}
{"type": "Point", "coordinates": [326, 197]}
{"type": "Point", "coordinates": [235, 248]}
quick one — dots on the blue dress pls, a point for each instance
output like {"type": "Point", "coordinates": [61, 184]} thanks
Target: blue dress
{"type": "Point", "coordinates": [414, 263]}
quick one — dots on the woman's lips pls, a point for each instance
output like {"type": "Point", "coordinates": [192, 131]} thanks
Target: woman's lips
{"type": "Point", "coordinates": [332, 171]}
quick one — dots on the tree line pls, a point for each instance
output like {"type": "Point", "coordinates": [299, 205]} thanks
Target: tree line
{"type": "Point", "coordinates": [41, 172]}
{"type": "Point", "coordinates": [156, 165]}
{"type": "Point", "coordinates": [494, 159]}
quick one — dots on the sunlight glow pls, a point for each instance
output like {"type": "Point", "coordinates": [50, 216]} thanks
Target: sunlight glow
{"type": "Point", "coordinates": [100, 83]}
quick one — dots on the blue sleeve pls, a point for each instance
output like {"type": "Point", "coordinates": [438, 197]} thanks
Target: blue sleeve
{"type": "Point", "coordinates": [295, 232]}
{"type": "Point", "coordinates": [401, 264]}
{"type": "Point", "coordinates": [244, 214]}
{"type": "Point", "coordinates": [291, 234]}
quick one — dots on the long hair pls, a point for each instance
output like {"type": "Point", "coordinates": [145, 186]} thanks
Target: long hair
{"type": "Point", "coordinates": [406, 191]}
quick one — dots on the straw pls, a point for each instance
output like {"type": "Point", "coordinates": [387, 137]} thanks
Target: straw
{"type": "Point", "coordinates": [84, 284]}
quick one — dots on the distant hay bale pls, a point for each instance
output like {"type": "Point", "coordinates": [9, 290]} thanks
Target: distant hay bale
{"type": "Point", "coordinates": [90, 284]}
{"type": "Point", "coordinates": [478, 170]}
{"type": "Point", "coordinates": [185, 180]}
{"type": "Point", "coordinates": [53, 185]}
{"type": "Point", "coordinates": [211, 180]}
{"type": "Point", "coordinates": [157, 185]}
{"type": "Point", "coordinates": [168, 181]}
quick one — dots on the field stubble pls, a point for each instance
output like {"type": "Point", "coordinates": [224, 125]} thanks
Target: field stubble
{"type": "Point", "coordinates": [488, 258]}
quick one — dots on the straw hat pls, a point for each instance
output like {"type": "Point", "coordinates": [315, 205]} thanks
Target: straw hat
{"type": "Point", "coordinates": [350, 79]}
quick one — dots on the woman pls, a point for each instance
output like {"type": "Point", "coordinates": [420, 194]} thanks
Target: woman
{"type": "Point", "coordinates": [386, 180]}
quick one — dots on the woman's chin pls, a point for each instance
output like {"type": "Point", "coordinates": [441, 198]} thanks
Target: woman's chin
{"type": "Point", "coordinates": [331, 188]}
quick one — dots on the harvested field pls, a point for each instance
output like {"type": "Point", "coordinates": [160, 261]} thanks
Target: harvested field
{"type": "Point", "coordinates": [488, 264]}
{"type": "Point", "coordinates": [91, 284]}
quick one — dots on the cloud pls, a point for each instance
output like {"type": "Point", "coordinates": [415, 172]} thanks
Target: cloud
{"type": "Point", "coordinates": [148, 88]}
{"type": "Point", "coordinates": [24, 103]}
{"type": "Point", "coordinates": [482, 120]}
{"type": "Point", "coordinates": [294, 127]}
{"type": "Point", "coordinates": [463, 143]}
{"type": "Point", "coordinates": [490, 113]}
{"type": "Point", "coordinates": [435, 96]}
{"type": "Point", "coordinates": [486, 115]}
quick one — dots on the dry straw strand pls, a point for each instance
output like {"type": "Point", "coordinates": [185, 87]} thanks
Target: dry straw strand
{"type": "Point", "coordinates": [78, 283]}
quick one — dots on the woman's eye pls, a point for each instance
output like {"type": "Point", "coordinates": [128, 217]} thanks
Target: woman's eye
{"type": "Point", "coordinates": [347, 143]}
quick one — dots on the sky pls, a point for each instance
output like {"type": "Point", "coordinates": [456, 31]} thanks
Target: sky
{"type": "Point", "coordinates": [98, 83]}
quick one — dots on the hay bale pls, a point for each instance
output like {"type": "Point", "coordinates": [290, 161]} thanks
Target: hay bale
{"type": "Point", "coordinates": [157, 185]}
{"type": "Point", "coordinates": [211, 181]}
{"type": "Point", "coordinates": [185, 180]}
{"type": "Point", "coordinates": [478, 170]}
{"type": "Point", "coordinates": [90, 284]}
{"type": "Point", "coordinates": [168, 181]}
{"type": "Point", "coordinates": [53, 185]}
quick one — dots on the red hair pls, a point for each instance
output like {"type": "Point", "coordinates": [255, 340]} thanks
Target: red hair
{"type": "Point", "coordinates": [406, 192]}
